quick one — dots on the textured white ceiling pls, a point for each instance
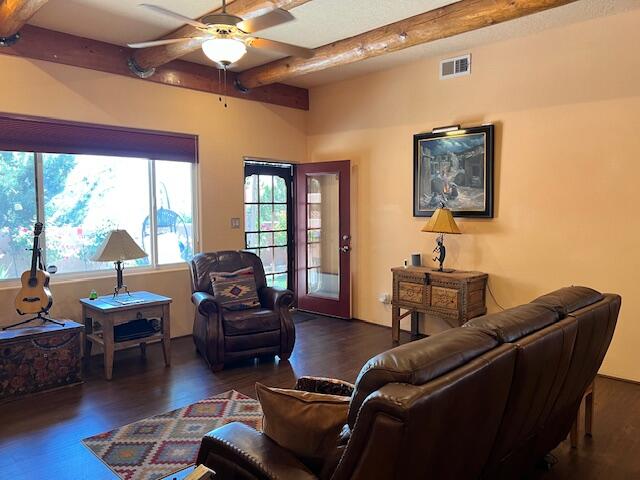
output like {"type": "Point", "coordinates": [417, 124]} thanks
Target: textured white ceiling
{"type": "Point", "coordinates": [317, 23]}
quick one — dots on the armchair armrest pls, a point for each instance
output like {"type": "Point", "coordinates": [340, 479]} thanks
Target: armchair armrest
{"type": "Point", "coordinates": [329, 386]}
{"type": "Point", "coordinates": [238, 451]}
{"type": "Point", "coordinates": [272, 298]}
{"type": "Point", "coordinates": [205, 303]}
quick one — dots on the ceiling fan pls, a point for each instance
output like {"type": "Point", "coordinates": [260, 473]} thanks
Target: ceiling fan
{"type": "Point", "coordinates": [226, 36]}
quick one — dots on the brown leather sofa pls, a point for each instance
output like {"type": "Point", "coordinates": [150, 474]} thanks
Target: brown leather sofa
{"type": "Point", "coordinates": [484, 401]}
{"type": "Point", "coordinates": [221, 335]}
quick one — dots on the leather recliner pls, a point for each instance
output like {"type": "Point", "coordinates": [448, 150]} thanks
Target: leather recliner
{"type": "Point", "coordinates": [222, 335]}
{"type": "Point", "coordinates": [487, 400]}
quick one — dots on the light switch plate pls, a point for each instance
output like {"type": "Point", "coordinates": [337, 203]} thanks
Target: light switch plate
{"type": "Point", "coordinates": [235, 222]}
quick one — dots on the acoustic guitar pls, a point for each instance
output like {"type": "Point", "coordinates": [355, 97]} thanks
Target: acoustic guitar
{"type": "Point", "coordinates": [34, 296]}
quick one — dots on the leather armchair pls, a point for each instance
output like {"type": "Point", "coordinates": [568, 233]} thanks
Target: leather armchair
{"type": "Point", "coordinates": [222, 335]}
{"type": "Point", "coordinates": [485, 401]}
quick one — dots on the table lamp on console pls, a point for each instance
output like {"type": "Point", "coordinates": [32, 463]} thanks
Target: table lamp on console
{"type": "Point", "coordinates": [441, 222]}
{"type": "Point", "coordinates": [118, 247]}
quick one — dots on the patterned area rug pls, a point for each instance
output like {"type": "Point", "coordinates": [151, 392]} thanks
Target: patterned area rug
{"type": "Point", "coordinates": [158, 446]}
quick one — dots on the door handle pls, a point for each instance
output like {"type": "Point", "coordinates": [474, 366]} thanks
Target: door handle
{"type": "Point", "coordinates": [345, 249]}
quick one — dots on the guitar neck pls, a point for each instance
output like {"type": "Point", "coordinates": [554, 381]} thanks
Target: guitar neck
{"type": "Point", "coordinates": [34, 256]}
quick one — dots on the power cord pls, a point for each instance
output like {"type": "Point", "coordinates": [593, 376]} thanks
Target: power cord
{"type": "Point", "coordinates": [493, 297]}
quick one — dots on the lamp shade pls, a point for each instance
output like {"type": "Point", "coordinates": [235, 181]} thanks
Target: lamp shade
{"type": "Point", "coordinates": [118, 246]}
{"type": "Point", "coordinates": [224, 50]}
{"type": "Point", "coordinates": [441, 222]}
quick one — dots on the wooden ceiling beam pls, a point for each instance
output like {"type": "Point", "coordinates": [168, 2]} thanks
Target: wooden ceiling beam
{"type": "Point", "coordinates": [57, 47]}
{"type": "Point", "coordinates": [145, 60]}
{"type": "Point", "coordinates": [13, 15]}
{"type": "Point", "coordinates": [456, 18]}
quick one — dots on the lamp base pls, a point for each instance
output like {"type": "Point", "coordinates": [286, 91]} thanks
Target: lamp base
{"type": "Point", "coordinates": [120, 279]}
{"type": "Point", "coordinates": [444, 270]}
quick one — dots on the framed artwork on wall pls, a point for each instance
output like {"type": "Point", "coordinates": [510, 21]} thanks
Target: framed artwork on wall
{"type": "Point", "coordinates": [454, 167]}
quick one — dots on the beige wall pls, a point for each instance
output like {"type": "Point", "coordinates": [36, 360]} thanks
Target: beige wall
{"type": "Point", "coordinates": [566, 103]}
{"type": "Point", "coordinates": [245, 128]}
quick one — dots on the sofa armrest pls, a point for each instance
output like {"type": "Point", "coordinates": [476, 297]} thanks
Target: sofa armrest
{"type": "Point", "coordinates": [205, 303]}
{"type": "Point", "coordinates": [328, 386]}
{"type": "Point", "coordinates": [273, 298]}
{"type": "Point", "coordinates": [238, 451]}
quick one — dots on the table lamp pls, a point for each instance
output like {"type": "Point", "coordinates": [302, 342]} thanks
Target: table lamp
{"type": "Point", "coordinates": [441, 222]}
{"type": "Point", "coordinates": [118, 247]}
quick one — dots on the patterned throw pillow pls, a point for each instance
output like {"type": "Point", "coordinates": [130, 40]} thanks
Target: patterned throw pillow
{"type": "Point", "coordinates": [235, 290]}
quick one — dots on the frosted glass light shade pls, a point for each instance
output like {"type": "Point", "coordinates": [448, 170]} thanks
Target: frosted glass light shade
{"type": "Point", "coordinates": [224, 50]}
{"type": "Point", "coordinates": [118, 246]}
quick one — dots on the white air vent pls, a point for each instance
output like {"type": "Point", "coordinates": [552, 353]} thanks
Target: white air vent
{"type": "Point", "coordinates": [455, 67]}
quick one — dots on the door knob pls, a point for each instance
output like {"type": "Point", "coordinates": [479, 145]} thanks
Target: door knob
{"type": "Point", "coordinates": [345, 249]}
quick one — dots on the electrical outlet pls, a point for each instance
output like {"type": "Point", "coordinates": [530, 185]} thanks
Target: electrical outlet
{"type": "Point", "coordinates": [235, 223]}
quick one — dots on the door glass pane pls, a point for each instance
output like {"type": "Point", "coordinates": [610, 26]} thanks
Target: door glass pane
{"type": "Point", "coordinates": [323, 254]}
{"type": "Point", "coordinates": [266, 189]}
{"type": "Point", "coordinates": [266, 217]}
{"type": "Point", "coordinates": [266, 239]}
{"type": "Point", "coordinates": [252, 240]}
{"type": "Point", "coordinates": [280, 239]}
{"type": "Point", "coordinates": [251, 218]}
{"type": "Point", "coordinates": [251, 189]}
{"type": "Point", "coordinates": [279, 217]}
{"type": "Point", "coordinates": [266, 255]}
{"type": "Point", "coordinates": [174, 214]}
{"type": "Point", "coordinates": [279, 190]}
{"type": "Point", "coordinates": [17, 212]}
{"type": "Point", "coordinates": [280, 259]}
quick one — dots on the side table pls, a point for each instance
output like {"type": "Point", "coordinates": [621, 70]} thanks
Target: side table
{"type": "Point", "coordinates": [454, 297]}
{"type": "Point", "coordinates": [109, 311]}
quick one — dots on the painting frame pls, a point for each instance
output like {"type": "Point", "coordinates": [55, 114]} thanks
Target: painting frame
{"type": "Point", "coordinates": [465, 155]}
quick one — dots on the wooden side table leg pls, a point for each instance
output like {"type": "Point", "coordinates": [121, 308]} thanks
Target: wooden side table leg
{"type": "Point", "coordinates": [588, 410]}
{"type": "Point", "coordinates": [109, 347]}
{"type": "Point", "coordinates": [143, 349]}
{"type": "Point", "coordinates": [88, 329]}
{"type": "Point", "coordinates": [573, 435]}
{"type": "Point", "coordinates": [395, 324]}
{"type": "Point", "coordinates": [166, 335]}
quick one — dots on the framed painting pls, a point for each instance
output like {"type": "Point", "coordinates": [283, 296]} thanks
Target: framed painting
{"type": "Point", "coordinates": [454, 168]}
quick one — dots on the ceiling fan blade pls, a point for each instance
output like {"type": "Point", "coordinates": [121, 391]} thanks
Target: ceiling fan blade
{"type": "Point", "coordinates": [177, 16]}
{"type": "Point", "coordinates": [156, 43]}
{"type": "Point", "coordinates": [270, 19]}
{"type": "Point", "coordinates": [286, 48]}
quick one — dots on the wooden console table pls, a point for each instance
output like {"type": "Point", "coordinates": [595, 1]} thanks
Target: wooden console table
{"type": "Point", "coordinates": [454, 297]}
{"type": "Point", "coordinates": [110, 311]}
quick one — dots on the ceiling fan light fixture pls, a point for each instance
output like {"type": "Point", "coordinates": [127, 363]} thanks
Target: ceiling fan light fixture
{"type": "Point", "coordinates": [224, 51]}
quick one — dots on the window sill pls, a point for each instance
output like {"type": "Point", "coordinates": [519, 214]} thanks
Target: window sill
{"type": "Point", "coordinates": [64, 278]}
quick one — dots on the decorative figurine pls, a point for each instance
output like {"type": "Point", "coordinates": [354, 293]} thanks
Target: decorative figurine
{"type": "Point", "coordinates": [440, 251]}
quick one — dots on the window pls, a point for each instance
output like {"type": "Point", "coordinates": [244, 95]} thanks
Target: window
{"type": "Point", "coordinates": [81, 198]}
{"type": "Point", "coordinates": [268, 221]}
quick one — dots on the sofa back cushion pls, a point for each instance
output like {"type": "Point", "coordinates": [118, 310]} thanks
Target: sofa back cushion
{"type": "Point", "coordinates": [569, 299]}
{"type": "Point", "coordinates": [224, 261]}
{"type": "Point", "coordinates": [595, 324]}
{"type": "Point", "coordinates": [515, 323]}
{"type": "Point", "coordinates": [418, 362]}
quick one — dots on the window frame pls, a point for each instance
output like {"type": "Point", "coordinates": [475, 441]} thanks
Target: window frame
{"type": "Point", "coordinates": [154, 265]}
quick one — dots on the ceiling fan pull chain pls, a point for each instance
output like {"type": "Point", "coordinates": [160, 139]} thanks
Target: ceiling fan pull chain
{"type": "Point", "coordinates": [225, 87]}
{"type": "Point", "coordinates": [220, 85]}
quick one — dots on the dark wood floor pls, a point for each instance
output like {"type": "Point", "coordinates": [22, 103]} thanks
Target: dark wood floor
{"type": "Point", "coordinates": [40, 436]}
